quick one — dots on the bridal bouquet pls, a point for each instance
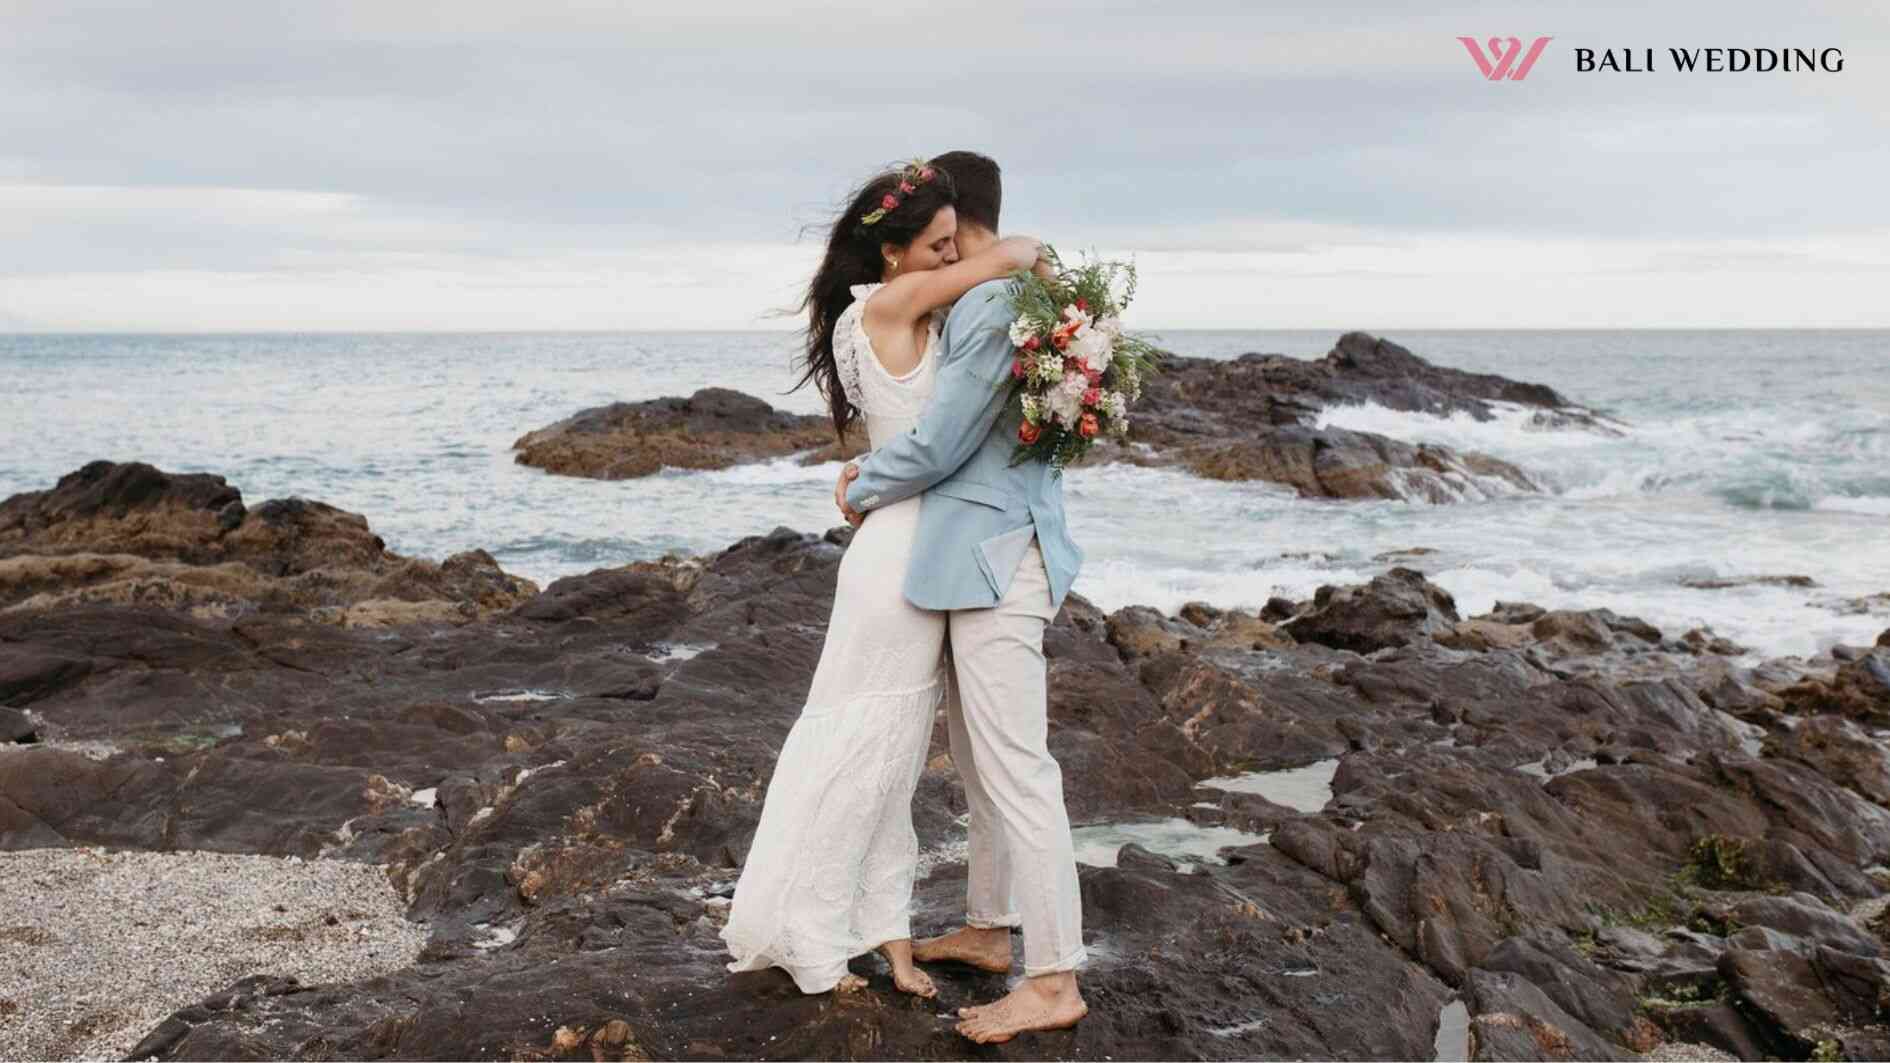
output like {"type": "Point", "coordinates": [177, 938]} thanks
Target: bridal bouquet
{"type": "Point", "coordinates": [1075, 371]}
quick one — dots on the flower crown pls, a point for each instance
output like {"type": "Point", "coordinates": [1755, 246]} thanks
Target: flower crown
{"type": "Point", "coordinates": [915, 174]}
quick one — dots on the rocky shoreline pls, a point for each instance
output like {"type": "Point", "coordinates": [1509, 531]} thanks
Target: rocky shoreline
{"type": "Point", "coordinates": [1253, 418]}
{"type": "Point", "coordinates": [1591, 837]}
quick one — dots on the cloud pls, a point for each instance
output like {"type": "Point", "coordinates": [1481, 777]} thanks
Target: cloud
{"type": "Point", "coordinates": [302, 146]}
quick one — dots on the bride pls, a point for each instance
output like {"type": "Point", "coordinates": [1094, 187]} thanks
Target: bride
{"type": "Point", "coordinates": [830, 873]}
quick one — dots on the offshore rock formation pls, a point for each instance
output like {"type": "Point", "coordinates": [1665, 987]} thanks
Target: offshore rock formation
{"type": "Point", "coordinates": [712, 429]}
{"type": "Point", "coordinates": [1255, 418]}
{"type": "Point", "coordinates": [1249, 419]}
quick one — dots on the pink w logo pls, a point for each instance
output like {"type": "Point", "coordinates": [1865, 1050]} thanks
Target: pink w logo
{"type": "Point", "coordinates": [1501, 59]}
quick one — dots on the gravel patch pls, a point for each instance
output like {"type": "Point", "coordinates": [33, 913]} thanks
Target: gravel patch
{"type": "Point", "coordinates": [98, 947]}
{"type": "Point", "coordinates": [1868, 912]}
{"type": "Point", "coordinates": [1683, 1052]}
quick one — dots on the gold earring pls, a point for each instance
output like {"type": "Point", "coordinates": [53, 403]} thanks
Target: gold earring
{"type": "Point", "coordinates": [893, 262]}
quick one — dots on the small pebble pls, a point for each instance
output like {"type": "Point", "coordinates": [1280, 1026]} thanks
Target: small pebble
{"type": "Point", "coordinates": [118, 941]}
{"type": "Point", "coordinates": [1683, 1052]}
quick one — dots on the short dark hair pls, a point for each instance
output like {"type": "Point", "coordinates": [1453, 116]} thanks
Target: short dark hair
{"type": "Point", "coordinates": [980, 186]}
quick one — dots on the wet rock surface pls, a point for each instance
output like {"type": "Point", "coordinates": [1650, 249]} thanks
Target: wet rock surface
{"type": "Point", "coordinates": [130, 534]}
{"type": "Point", "coordinates": [1593, 834]}
{"type": "Point", "coordinates": [1252, 418]}
{"type": "Point", "coordinates": [1256, 418]}
{"type": "Point", "coordinates": [711, 429]}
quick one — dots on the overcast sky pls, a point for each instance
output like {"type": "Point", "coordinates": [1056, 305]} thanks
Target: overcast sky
{"type": "Point", "coordinates": [208, 165]}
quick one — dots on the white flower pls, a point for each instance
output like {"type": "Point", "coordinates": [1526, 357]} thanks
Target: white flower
{"type": "Point", "coordinates": [1021, 330]}
{"type": "Point", "coordinates": [1110, 326]}
{"type": "Point", "coordinates": [1049, 367]}
{"type": "Point", "coordinates": [1033, 409]}
{"type": "Point", "coordinates": [1092, 346]}
{"type": "Point", "coordinates": [1066, 399]}
{"type": "Point", "coordinates": [1117, 403]}
{"type": "Point", "coordinates": [1071, 313]}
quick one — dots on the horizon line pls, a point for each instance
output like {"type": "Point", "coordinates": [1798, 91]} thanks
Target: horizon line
{"type": "Point", "coordinates": [1154, 330]}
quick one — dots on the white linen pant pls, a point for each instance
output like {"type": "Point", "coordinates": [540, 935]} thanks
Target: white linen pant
{"type": "Point", "coordinates": [1022, 865]}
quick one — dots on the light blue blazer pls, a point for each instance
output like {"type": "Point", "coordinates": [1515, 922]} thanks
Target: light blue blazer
{"type": "Point", "coordinates": [979, 512]}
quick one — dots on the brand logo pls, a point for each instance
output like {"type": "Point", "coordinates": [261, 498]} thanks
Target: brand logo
{"type": "Point", "coordinates": [1505, 58]}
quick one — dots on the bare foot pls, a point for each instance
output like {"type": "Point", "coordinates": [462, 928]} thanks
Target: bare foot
{"type": "Point", "coordinates": [986, 948]}
{"type": "Point", "coordinates": [1050, 1002]}
{"type": "Point", "coordinates": [849, 983]}
{"type": "Point", "coordinates": [906, 977]}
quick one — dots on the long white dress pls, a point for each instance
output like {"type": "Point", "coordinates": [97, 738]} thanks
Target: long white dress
{"type": "Point", "coordinates": [830, 873]}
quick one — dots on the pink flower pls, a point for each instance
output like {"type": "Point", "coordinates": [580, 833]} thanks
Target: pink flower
{"type": "Point", "coordinates": [1032, 343]}
{"type": "Point", "coordinates": [925, 174]}
{"type": "Point", "coordinates": [906, 188]}
{"type": "Point", "coordinates": [889, 201]}
{"type": "Point", "coordinates": [1019, 367]}
{"type": "Point", "coordinates": [1092, 396]}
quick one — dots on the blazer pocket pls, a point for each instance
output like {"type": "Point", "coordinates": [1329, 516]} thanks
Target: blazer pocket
{"type": "Point", "coordinates": [982, 494]}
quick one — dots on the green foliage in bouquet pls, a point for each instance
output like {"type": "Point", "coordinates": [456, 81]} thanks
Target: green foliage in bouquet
{"type": "Point", "coordinates": [1076, 373]}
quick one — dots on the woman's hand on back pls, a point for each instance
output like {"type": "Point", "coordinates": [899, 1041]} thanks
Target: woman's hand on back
{"type": "Point", "coordinates": [1023, 252]}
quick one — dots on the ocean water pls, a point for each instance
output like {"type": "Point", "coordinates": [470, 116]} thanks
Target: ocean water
{"type": "Point", "coordinates": [1747, 453]}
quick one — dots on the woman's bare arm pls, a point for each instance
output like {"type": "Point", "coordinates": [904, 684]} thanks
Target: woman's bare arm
{"type": "Point", "coordinates": [908, 298]}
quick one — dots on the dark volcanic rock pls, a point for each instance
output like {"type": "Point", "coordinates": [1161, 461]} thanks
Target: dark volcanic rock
{"type": "Point", "coordinates": [1842, 752]}
{"type": "Point", "coordinates": [1808, 918]}
{"type": "Point", "coordinates": [1196, 396]}
{"type": "Point", "coordinates": [1557, 843]}
{"type": "Point", "coordinates": [130, 534]}
{"type": "Point", "coordinates": [1253, 418]}
{"type": "Point", "coordinates": [1603, 1000]}
{"type": "Point", "coordinates": [712, 429]}
{"type": "Point", "coordinates": [1512, 1019]}
{"type": "Point", "coordinates": [16, 727]}
{"type": "Point", "coordinates": [1336, 463]}
{"type": "Point", "coordinates": [1860, 689]}
{"type": "Point", "coordinates": [1392, 610]}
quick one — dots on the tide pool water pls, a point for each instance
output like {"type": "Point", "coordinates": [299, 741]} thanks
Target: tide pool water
{"type": "Point", "coordinates": [1746, 453]}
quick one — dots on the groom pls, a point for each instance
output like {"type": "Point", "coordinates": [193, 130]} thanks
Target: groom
{"type": "Point", "coordinates": [992, 550]}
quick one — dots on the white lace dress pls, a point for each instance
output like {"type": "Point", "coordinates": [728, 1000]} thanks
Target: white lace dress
{"type": "Point", "coordinates": [830, 873]}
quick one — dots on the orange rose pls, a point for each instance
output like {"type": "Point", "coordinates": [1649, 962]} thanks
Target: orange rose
{"type": "Point", "coordinates": [1087, 426]}
{"type": "Point", "coordinates": [1027, 433]}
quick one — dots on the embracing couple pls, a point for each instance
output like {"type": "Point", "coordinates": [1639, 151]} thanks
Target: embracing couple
{"type": "Point", "coordinates": [958, 562]}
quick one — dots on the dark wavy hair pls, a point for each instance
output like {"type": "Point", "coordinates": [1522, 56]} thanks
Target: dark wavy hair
{"type": "Point", "coordinates": [852, 258]}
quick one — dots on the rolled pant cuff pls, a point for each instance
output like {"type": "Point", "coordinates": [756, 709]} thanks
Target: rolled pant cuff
{"type": "Point", "coordinates": [1077, 957]}
{"type": "Point", "coordinates": [993, 922]}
